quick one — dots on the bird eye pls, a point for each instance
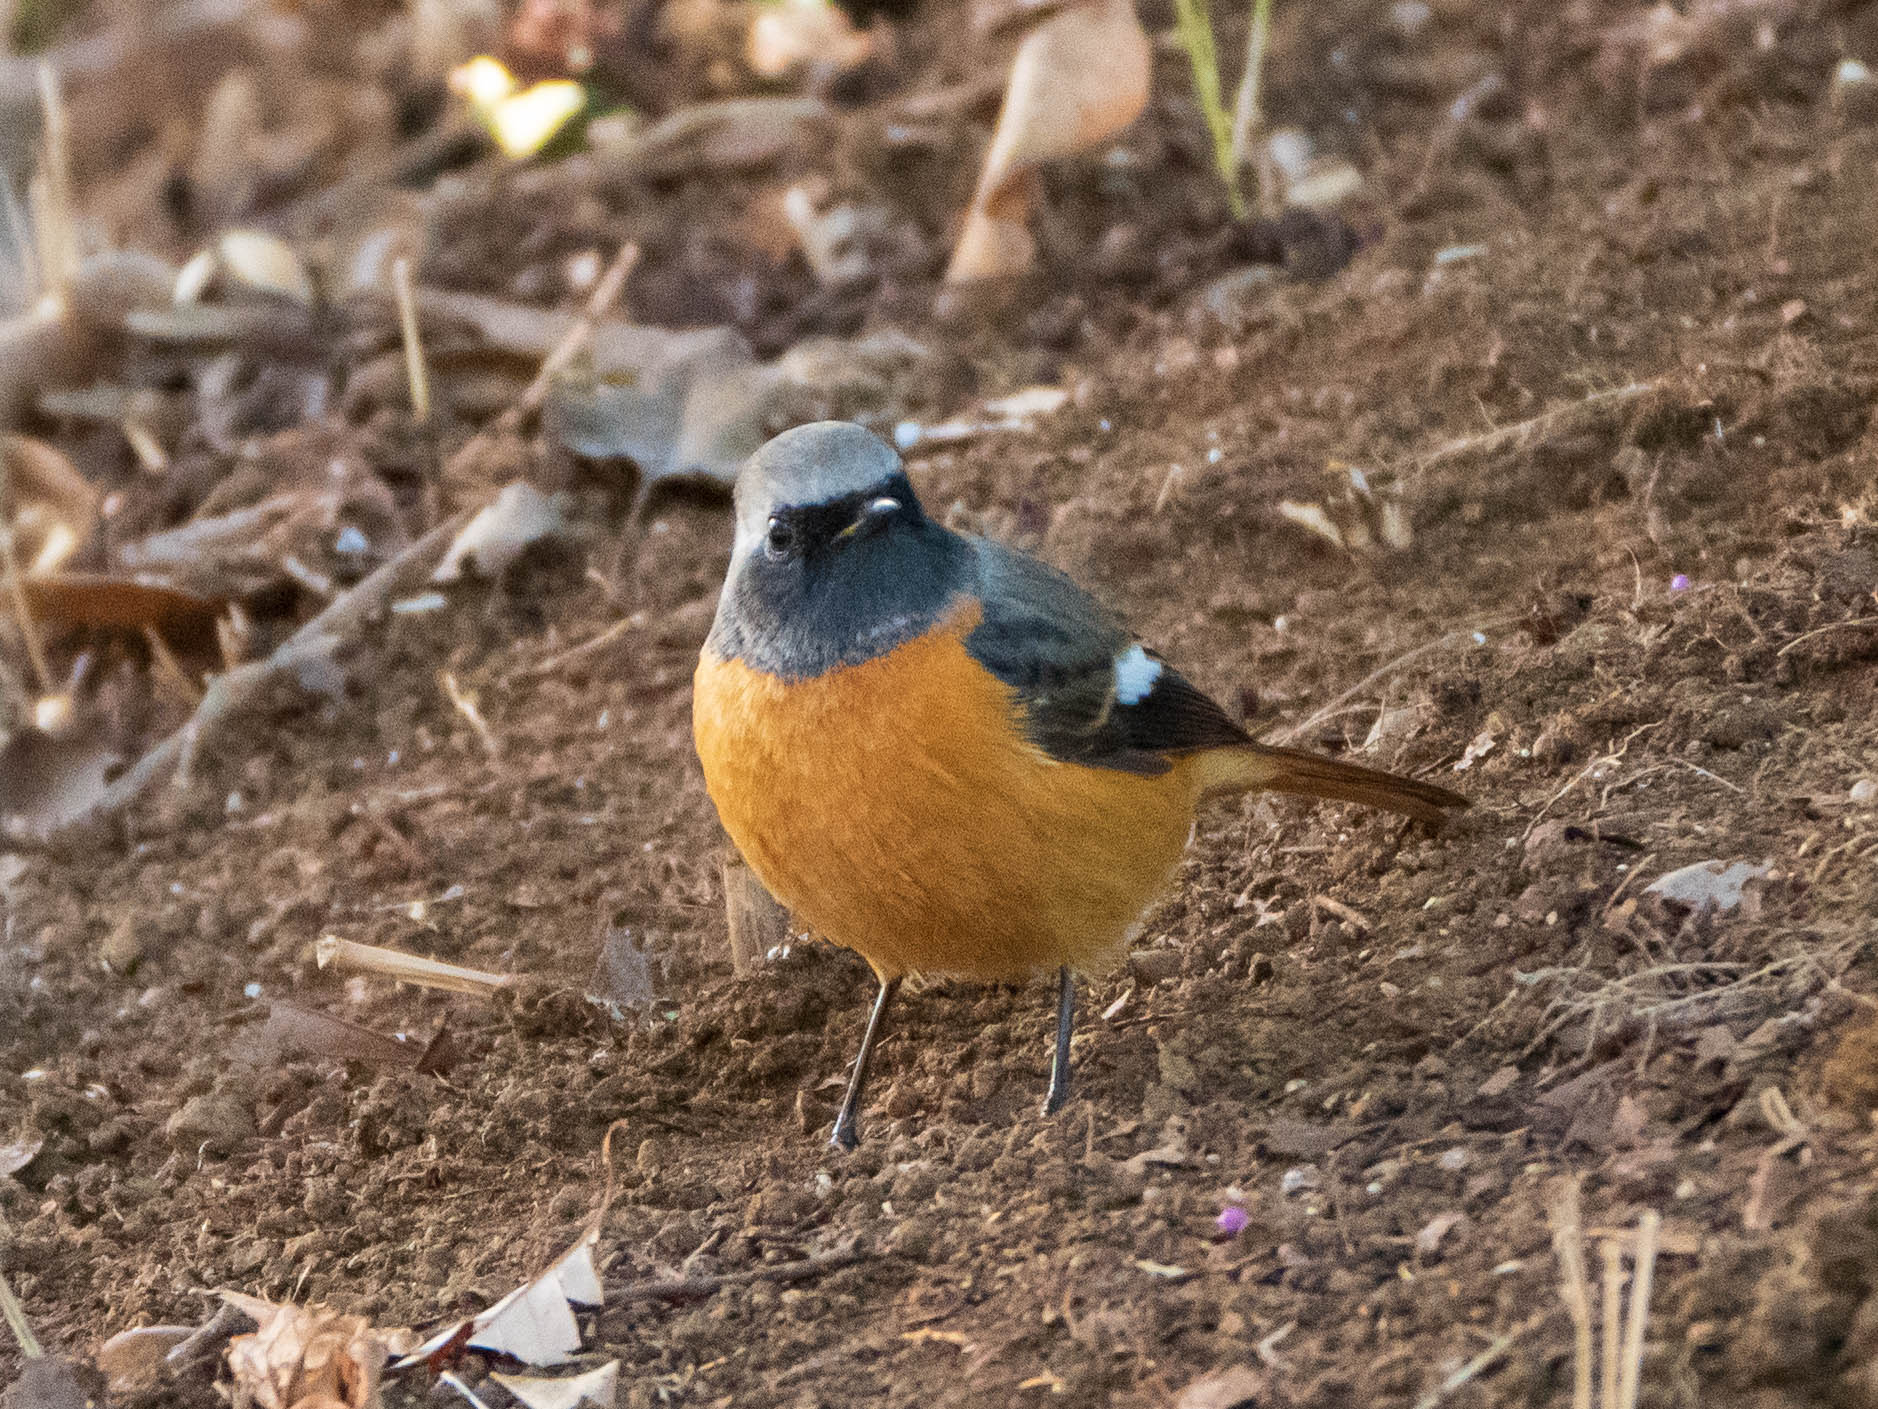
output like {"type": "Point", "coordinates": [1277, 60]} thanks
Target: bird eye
{"type": "Point", "coordinates": [779, 540]}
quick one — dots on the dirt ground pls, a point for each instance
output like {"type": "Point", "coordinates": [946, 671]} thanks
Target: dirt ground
{"type": "Point", "coordinates": [1607, 343]}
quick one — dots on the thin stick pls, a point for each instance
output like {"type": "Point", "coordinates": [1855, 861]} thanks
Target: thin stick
{"type": "Point", "coordinates": [683, 1288]}
{"type": "Point", "coordinates": [15, 1315]}
{"type": "Point", "coordinates": [1384, 671]}
{"type": "Point", "coordinates": [231, 691]}
{"type": "Point", "coordinates": [605, 294]}
{"type": "Point", "coordinates": [1822, 630]}
{"type": "Point", "coordinates": [465, 705]}
{"type": "Point", "coordinates": [1613, 1314]}
{"type": "Point", "coordinates": [1568, 1243]}
{"type": "Point", "coordinates": [29, 629]}
{"type": "Point", "coordinates": [330, 951]}
{"type": "Point", "coordinates": [587, 647]}
{"type": "Point", "coordinates": [1526, 434]}
{"type": "Point", "coordinates": [167, 665]}
{"type": "Point", "coordinates": [58, 254]}
{"type": "Point", "coordinates": [1472, 1368]}
{"type": "Point", "coordinates": [1647, 1228]}
{"type": "Point", "coordinates": [416, 371]}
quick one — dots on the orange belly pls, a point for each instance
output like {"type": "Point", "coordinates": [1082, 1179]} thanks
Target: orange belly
{"type": "Point", "coordinates": [896, 809]}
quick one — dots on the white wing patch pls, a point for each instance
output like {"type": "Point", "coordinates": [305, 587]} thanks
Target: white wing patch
{"type": "Point", "coordinates": [1135, 674]}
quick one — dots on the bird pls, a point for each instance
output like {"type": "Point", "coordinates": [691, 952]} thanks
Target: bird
{"type": "Point", "coordinates": [944, 754]}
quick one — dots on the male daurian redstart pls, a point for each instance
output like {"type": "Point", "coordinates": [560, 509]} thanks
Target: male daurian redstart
{"type": "Point", "coordinates": [942, 753]}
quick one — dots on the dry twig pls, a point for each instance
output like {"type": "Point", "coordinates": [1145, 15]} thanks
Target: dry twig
{"type": "Point", "coordinates": [1547, 425]}
{"type": "Point", "coordinates": [1612, 1312]}
{"type": "Point", "coordinates": [232, 691]}
{"type": "Point", "coordinates": [688, 1288]}
{"type": "Point", "coordinates": [1568, 1241]}
{"type": "Point", "coordinates": [1630, 1380]}
{"type": "Point", "coordinates": [416, 370]}
{"type": "Point", "coordinates": [1384, 671]}
{"type": "Point", "coordinates": [330, 951]}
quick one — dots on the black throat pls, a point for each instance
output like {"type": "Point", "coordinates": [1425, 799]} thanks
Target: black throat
{"type": "Point", "coordinates": [838, 602]}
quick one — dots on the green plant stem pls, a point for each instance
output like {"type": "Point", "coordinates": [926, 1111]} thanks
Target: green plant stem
{"type": "Point", "coordinates": [1195, 28]}
{"type": "Point", "coordinates": [15, 1316]}
{"type": "Point", "coordinates": [1247, 118]}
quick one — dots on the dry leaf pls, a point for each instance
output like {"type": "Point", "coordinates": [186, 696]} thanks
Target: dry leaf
{"type": "Point", "coordinates": [597, 1386]}
{"type": "Point", "coordinates": [520, 516]}
{"type": "Point", "coordinates": [793, 34]}
{"type": "Point", "coordinates": [15, 1155]}
{"type": "Point", "coordinates": [107, 603]}
{"type": "Point", "coordinates": [1428, 1240]}
{"type": "Point", "coordinates": [1078, 79]}
{"type": "Point", "coordinates": [1239, 1388]}
{"type": "Point", "coordinates": [136, 1358]}
{"type": "Point", "coordinates": [534, 1323]}
{"type": "Point", "coordinates": [306, 1353]}
{"type": "Point", "coordinates": [47, 781]}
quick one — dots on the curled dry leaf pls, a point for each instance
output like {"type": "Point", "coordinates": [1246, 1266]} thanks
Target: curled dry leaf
{"type": "Point", "coordinates": [596, 1386]}
{"type": "Point", "coordinates": [534, 1323]}
{"type": "Point", "coordinates": [520, 516]}
{"type": "Point", "coordinates": [306, 1355]}
{"type": "Point", "coordinates": [16, 1154]}
{"type": "Point", "coordinates": [1078, 79]}
{"type": "Point", "coordinates": [135, 1359]}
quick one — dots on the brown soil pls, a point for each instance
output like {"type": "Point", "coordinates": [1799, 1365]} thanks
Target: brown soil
{"type": "Point", "coordinates": [1383, 1045]}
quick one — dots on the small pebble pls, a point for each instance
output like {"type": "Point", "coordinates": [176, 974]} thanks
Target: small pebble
{"type": "Point", "coordinates": [1679, 583]}
{"type": "Point", "coordinates": [1231, 1221]}
{"type": "Point", "coordinates": [1864, 792]}
{"type": "Point", "coordinates": [1297, 1180]}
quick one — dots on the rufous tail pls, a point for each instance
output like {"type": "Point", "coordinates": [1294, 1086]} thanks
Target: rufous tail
{"type": "Point", "coordinates": [1270, 768]}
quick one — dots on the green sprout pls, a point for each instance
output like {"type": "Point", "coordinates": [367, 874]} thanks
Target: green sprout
{"type": "Point", "coordinates": [1233, 132]}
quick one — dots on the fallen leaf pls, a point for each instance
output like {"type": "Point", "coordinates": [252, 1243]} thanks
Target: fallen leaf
{"type": "Point", "coordinates": [791, 34]}
{"type": "Point", "coordinates": [40, 478]}
{"type": "Point", "coordinates": [1428, 1240]}
{"type": "Point", "coordinates": [1707, 883]}
{"type": "Point", "coordinates": [300, 1031]}
{"type": "Point", "coordinates": [136, 1358]}
{"type": "Point", "coordinates": [520, 516]}
{"type": "Point", "coordinates": [1239, 1388]}
{"type": "Point", "coordinates": [597, 1386]}
{"type": "Point", "coordinates": [534, 1323]}
{"type": "Point", "coordinates": [622, 977]}
{"type": "Point", "coordinates": [48, 781]}
{"type": "Point", "coordinates": [1079, 77]}
{"type": "Point", "coordinates": [15, 1155]}
{"type": "Point", "coordinates": [1304, 1139]}
{"type": "Point", "coordinates": [1312, 518]}
{"type": "Point", "coordinates": [109, 603]}
{"type": "Point", "coordinates": [304, 1353]}
{"type": "Point", "coordinates": [1500, 1082]}
{"type": "Point", "coordinates": [1166, 1271]}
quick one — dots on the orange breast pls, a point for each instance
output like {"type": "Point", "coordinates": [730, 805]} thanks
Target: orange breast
{"type": "Point", "coordinates": [895, 808]}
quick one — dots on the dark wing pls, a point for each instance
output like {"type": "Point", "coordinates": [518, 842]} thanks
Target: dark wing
{"type": "Point", "coordinates": [1090, 693]}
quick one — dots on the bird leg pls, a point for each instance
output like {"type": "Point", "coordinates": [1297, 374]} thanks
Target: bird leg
{"type": "Point", "coordinates": [1065, 1022]}
{"type": "Point", "coordinates": [847, 1132]}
